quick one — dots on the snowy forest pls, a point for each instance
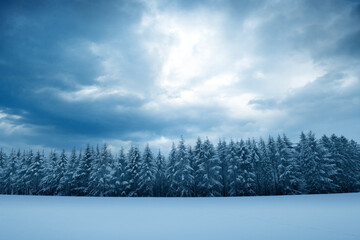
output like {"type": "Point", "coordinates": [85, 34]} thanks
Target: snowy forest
{"type": "Point", "coordinates": [235, 168]}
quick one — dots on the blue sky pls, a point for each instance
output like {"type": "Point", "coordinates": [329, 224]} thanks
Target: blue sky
{"type": "Point", "coordinates": [137, 72]}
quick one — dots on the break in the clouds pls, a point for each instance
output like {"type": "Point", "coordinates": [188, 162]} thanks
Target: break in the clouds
{"type": "Point", "coordinates": [136, 72]}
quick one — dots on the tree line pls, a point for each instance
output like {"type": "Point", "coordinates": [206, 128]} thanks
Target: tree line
{"type": "Point", "coordinates": [236, 168]}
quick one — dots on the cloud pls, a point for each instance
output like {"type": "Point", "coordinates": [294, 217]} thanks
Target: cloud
{"type": "Point", "coordinates": [137, 72]}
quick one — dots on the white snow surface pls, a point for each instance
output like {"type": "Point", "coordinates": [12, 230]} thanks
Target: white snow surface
{"type": "Point", "coordinates": [333, 216]}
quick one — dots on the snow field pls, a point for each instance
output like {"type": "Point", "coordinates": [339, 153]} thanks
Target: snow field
{"type": "Point", "coordinates": [333, 216]}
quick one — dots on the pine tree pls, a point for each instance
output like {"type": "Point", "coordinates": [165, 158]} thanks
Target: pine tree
{"type": "Point", "coordinates": [60, 172]}
{"type": "Point", "coordinates": [209, 171]}
{"type": "Point", "coordinates": [133, 167]}
{"type": "Point", "coordinates": [82, 173]}
{"type": "Point", "coordinates": [274, 157]}
{"type": "Point", "coordinates": [170, 172]}
{"type": "Point", "coordinates": [183, 171]}
{"type": "Point", "coordinates": [8, 176]}
{"type": "Point", "coordinates": [48, 183]}
{"type": "Point", "coordinates": [35, 173]}
{"type": "Point", "coordinates": [198, 160]}
{"type": "Point", "coordinates": [65, 180]}
{"type": "Point", "coordinates": [316, 165]}
{"type": "Point", "coordinates": [99, 180]}
{"type": "Point", "coordinates": [120, 184]}
{"type": "Point", "coordinates": [160, 176]}
{"type": "Point", "coordinates": [254, 157]}
{"type": "Point", "coordinates": [289, 176]}
{"type": "Point", "coordinates": [3, 162]}
{"type": "Point", "coordinates": [340, 153]}
{"type": "Point", "coordinates": [147, 174]}
{"type": "Point", "coordinates": [234, 171]}
{"type": "Point", "coordinates": [222, 153]}
{"type": "Point", "coordinates": [264, 170]}
{"type": "Point", "coordinates": [247, 169]}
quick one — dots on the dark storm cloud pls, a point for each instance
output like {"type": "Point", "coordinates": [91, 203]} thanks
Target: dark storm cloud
{"type": "Point", "coordinates": [86, 71]}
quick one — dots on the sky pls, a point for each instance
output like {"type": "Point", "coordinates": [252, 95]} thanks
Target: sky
{"type": "Point", "coordinates": [147, 72]}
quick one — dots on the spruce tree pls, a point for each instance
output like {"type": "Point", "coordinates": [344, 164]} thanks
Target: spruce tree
{"type": "Point", "coordinates": [133, 167]}
{"type": "Point", "coordinates": [289, 177]}
{"type": "Point", "coordinates": [182, 174]}
{"type": "Point", "coordinates": [160, 176]}
{"type": "Point", "coordinates": [120, 184]}
{"type": "Point", "coordinates": [170, 172]}
{"type": "Point", "coordinates": [264, 170]}
{"type": "Point", "coordinates": [209, 172]}
{"type": "Point", "coordinates": [147, 174]}
{"type": "Point", "coordinates": [99, 179]}
{"type": "Point", "coordinates": [8, 176]}
{"type": "Point", "coordinates": [236, 179]}
{"type": "Point", "coordinates": [198, 160]}
{"type": "Point", "coordinates": [222, 153]}
{"type": "Point", "coordinates": [82, 173]}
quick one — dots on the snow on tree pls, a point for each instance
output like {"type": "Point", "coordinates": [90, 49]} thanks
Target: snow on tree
{"type": "Point", "coordinates": [160, 176]}
{"type": "Point", "coordinates": [222, 153]}
{"type": "Point", "coordinates": [242, 168]}
{"type": "Point", "coordinates": [182, 174]}
{"type": "Point", "coordinates": [133, 167]}
{"type": "Point", "coordinates": [235, 177]}
{"type": "Point", "coordinates": [147, 174]}
{"type": "Point", "coordinates": [120, 183]}
{"type": "Point", "coordinates": [198, 159]}
{"type": "Point", "coordinates": [316, 165]}
{"type": "Point", "coordinates": [254, 157]}
{"type": "Point", "coordinates": [65, 181]}
{"type": "Point", "coordinates": [209, 176]}
{"type": "Point", "coordinates": [82, 173]}
{"type": "Point", "coordinates": [99, 179]}
{"type": "Point", "coordinates": [265, 175]}
{"type": "Point", "coordinates": [49, 182]}
{"type": "Point", "coordinates": [60, 172]}
{"type": "Point", "coordinates": [8, 174]}
{"type": "Point", "coordinates": [247, 168]}
{"type": "Point", "coordinates": [35, 173]}
{"type": "Point", "coordinates": [170, 172]}
{"type": "Point", "coordinates": [274, 157]}
{"type": "Point", "coordinates": [289, 177]}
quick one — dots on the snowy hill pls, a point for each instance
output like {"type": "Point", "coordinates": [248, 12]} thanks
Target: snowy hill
{"type": "Point", "coordinates": [334, 216]}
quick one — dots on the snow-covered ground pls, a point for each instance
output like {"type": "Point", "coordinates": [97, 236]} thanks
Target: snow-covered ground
{"type": "Point", "coordinates": [334, 216]}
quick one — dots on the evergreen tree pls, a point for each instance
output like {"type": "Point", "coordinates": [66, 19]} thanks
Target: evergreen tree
{"type": "Point", "coordinates": [317, 169]}
{"type": "Point", "coordinates": [198, 160]}
{"type": "Point", "coordinates": [160, 177]}
{"type": "Point", "coordinates": [264, 170]}
{"type": "Point", "coordinates": [100, 176]}
{"type": "Point", "coordinates": [236, 180]}
{"type": "Point", "coordinates": [183, 171]}
{"type": "Point", "coordinates": [60, 172]}
{"type": "Point", "coordinates": [222, 153]}
{"type": "Point", "coordinates": [247, 169]}
{"type": "Point", "coordinates": [133, 167]}
{"type": "Point", "coordinates": [147, 174]}
{"type": "Point", "coordinates": [289, 177]}
{"type": "Point", "coordinates": [82, 173]}
{"type": "Point", "coordinates": [66, 180]}
{"type": "Point", "coordinates": [120, 184]}
{"type": "Point", "coordinates": [254, 158]}
{"type": "Point", "coordinates": [3, 162]}
{"type": "Point", "coordinates": [170, 172]}
{"type": "Point", "coordinates": [274, 157]}
{"type": "Point", "coordinates": [48, 183]}
{"type": "Point", "coordinates": [35, 173]}
{"type": "Point", "coordinates": [8, 176]}
{"type": "Point", "coordinates": [340, 151]}
{"type": "Point", "coordinates": [209, 172]}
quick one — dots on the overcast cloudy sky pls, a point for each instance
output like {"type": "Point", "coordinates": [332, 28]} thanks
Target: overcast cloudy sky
{"type": "Point", "coordinates": [136, 72]}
